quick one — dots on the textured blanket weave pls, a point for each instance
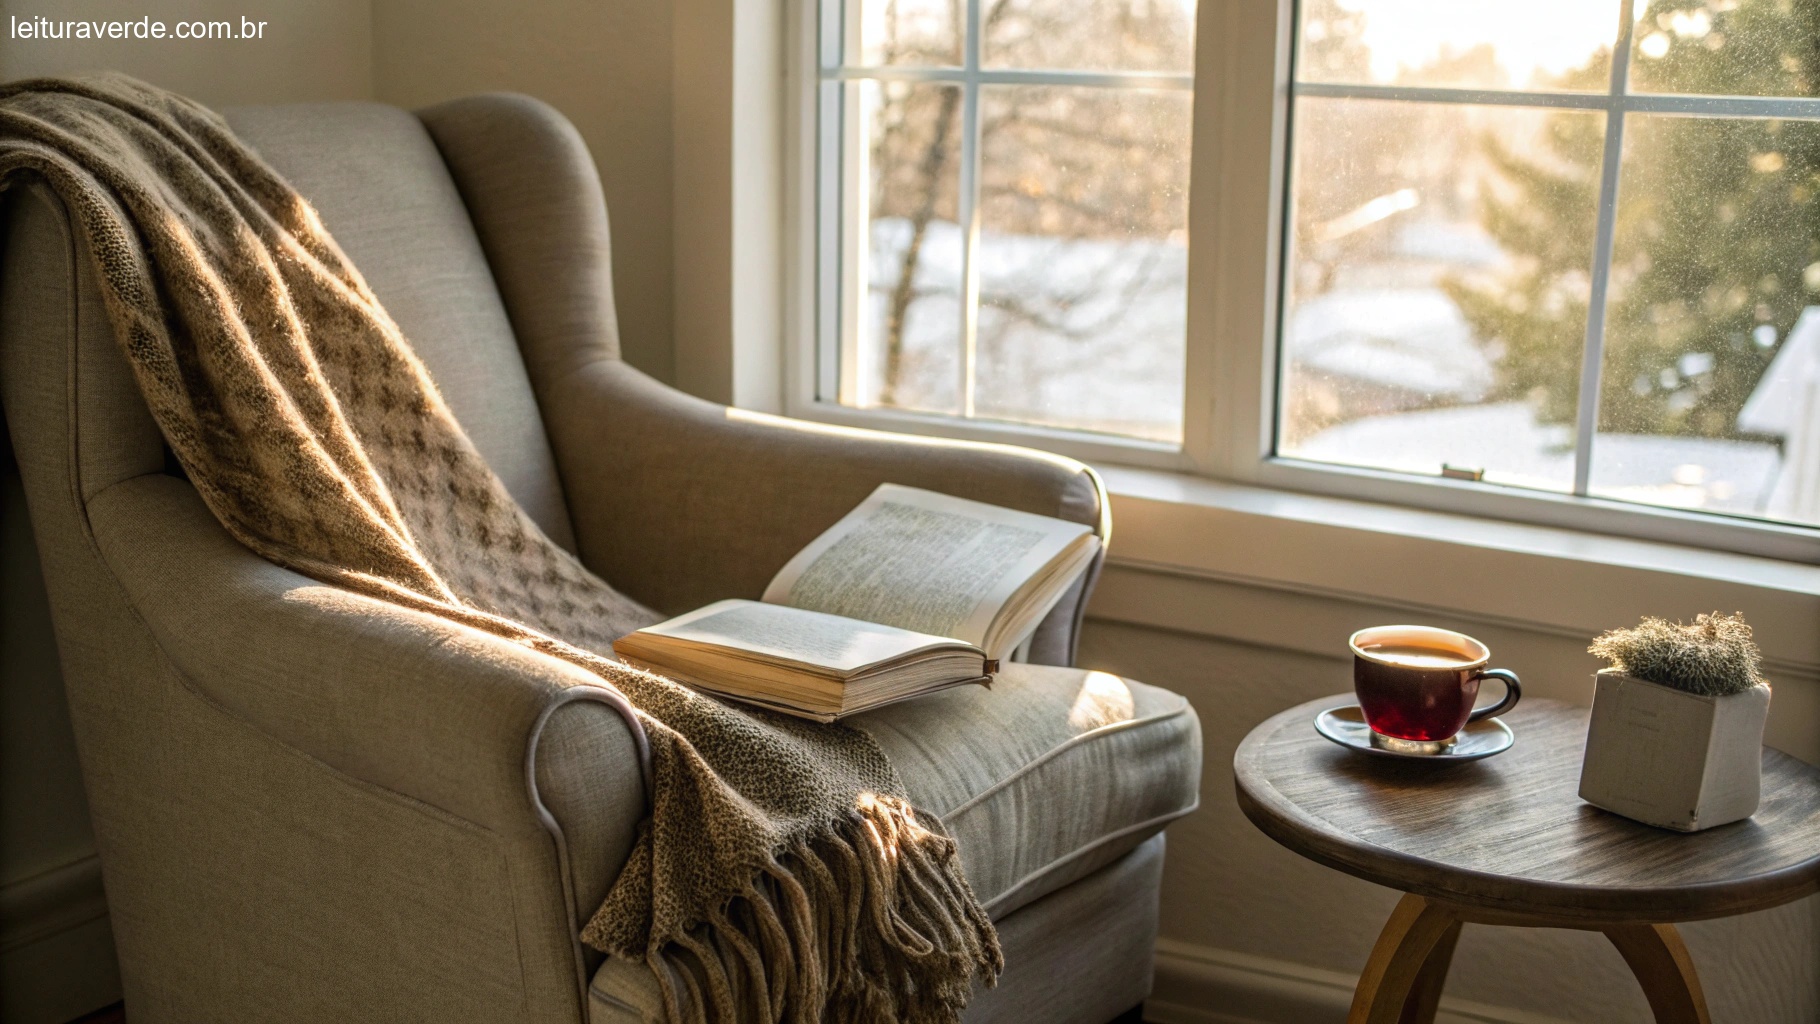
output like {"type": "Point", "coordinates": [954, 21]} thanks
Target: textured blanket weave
{"type": "Point", "coordinates": [780, 875]}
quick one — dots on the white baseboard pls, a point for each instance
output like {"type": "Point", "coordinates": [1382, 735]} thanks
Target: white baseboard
{"type": "Point", "coordinates": [56, 946]}
{"type": "Point", "coordinates": [1204, 985]}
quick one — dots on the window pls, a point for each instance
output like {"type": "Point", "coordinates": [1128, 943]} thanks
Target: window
{"type": "Point", "coordinates": [1573, 247]}
{"type": "Point", "coordinates": [1556, 261]}
{"type": "Point", "coordinates": [1003, 210]}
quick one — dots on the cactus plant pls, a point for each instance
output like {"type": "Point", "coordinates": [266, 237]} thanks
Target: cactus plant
{"type": "Point", "coordinates": [1713, 656]}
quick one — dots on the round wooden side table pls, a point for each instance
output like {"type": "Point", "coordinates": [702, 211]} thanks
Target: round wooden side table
{"type": "Point", "coordinates": [1507, 841]}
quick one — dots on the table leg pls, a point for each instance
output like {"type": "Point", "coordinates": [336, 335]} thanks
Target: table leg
{"type": "Point", "coordinates": [1660, 960]}
{"type": "Point", "coordinates": [1403, 977]}
{"type": "Point", "coordinates": [1425, 994]}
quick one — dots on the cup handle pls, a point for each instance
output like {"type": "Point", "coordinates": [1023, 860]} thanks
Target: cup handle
{"type": "Point", "coordinates": [1513, 691]}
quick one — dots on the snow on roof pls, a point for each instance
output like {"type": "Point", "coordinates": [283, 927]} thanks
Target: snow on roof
{"type": "Point", "coordinates": [1773, 406]}
{"type": "Point", "coordinates": [1409, 338]}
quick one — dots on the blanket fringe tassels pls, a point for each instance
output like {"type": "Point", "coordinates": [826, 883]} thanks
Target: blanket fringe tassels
{"type": "Point", "coordinates": [810, 940]}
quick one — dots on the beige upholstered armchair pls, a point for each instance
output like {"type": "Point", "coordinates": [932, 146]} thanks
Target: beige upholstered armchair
{"type": "Point", "coordinates": [311, 806]}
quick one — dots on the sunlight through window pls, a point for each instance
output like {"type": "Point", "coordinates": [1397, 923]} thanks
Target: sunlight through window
{"type": "Point", "coordinates": [1569, 251]}
{"type": "Point", "coordinates": [1004, 210]}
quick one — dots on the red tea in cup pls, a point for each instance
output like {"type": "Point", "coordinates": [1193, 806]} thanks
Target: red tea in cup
{"type": "Point", "coordinates": [1418, 683]}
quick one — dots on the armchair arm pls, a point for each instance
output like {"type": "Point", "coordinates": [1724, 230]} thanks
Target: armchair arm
{"type": "Point", "coordinates": [680, 502]}
{"type": "Point", "coordinates": [496, 734]}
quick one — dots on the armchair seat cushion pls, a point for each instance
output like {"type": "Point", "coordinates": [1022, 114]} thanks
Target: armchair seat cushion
{"type": "Point", "coordinates": [1045, 777]}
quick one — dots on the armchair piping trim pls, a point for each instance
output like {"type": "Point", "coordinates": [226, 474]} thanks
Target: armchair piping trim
{"type": "Point", "coordinates": [1103, 530]}
{"type": "Point", "coordinates": [617, 701]}
{"type": "Point", "coordinates": [1088, 581]}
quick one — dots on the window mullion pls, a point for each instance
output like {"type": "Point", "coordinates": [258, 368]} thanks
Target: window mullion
{"type": "Point", "coordinates": [833, 20]}
{"type": "Point", "coordinates": [969, 206]}
{"type": "Point", "coordinates": [1432, 94]}
{"type": "Point", "coordinates": [1013, 76]}
{"type": "Point", "coordinates": [1592, 358]}
{"type": "Point", "coordinates": [836, 369]}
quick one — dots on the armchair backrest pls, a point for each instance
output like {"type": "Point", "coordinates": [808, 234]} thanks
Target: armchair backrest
{"type": "Point", "coordinates": [382, 188]}
{"type": "Point", "coordinates": [380, 183]}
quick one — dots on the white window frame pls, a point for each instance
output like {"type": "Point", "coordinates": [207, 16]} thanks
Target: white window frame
{"type": "Point", "coordinates": [1238, 212]}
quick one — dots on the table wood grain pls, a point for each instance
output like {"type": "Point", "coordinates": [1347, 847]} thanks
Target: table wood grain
{"type": "Point", "coordinates": [1509, 835]}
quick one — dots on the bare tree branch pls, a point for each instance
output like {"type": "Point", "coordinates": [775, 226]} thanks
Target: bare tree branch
{"type": "Point", "coordinates": [934, 161]}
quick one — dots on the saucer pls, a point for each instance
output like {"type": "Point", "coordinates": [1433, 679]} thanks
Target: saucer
{"type": "Point", "coordinates": [1346, 726]}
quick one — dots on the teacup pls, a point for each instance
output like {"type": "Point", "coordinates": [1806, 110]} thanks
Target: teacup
{"type": "Point", "coordinates": [1417, 685]}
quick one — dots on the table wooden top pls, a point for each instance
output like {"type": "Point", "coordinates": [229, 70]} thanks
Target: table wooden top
{"type": "Point", "coordinates": [1510, 834]}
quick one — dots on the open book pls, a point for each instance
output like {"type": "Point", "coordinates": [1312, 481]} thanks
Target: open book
{"type": "Point", "coordinates": [909, 593]}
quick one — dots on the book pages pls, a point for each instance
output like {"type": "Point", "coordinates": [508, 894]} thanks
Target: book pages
{"type": "Point", "coordinates": [795, 635]}
{"type": "Point", "coordinates": [922, 561]}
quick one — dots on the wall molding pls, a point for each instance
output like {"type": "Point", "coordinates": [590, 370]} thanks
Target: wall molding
{"type": "Point", "coordinates": [56, 945]}
{"type": "Point", "coordinates": [1543, 579]}
{"type": "Point", "coordinates": [1122, 609]}
{"type": "Point", "coordinates": [42, 905]}
{"type": "Point", "coordinates": [1198, 984]}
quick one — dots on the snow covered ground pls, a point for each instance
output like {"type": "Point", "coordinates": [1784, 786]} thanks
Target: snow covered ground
{"type": "Point", "coordinates": [1080, 334]}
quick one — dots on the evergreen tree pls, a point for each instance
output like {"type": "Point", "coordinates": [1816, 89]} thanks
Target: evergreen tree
{"type": "Point", "coordinates": [1718, 233]}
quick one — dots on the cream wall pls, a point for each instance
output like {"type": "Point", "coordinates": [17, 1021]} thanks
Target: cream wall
{"type": "Point", "coordinates": [607, 67]}
{"type": "Point", "coordinates": [1255, 932]}
{"type": "Point", "coordinates": [309, 50]}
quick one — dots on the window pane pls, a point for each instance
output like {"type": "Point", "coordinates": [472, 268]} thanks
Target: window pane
{"type": "Point", "coordinates": [1083, 258]}
{"type": "Point", "coordinates": [1713, 340]}
{"type": "Point", "coordinates": [905, 265]}
{"type": "Point", "coordinates": [1727, 47]}
{"type": "Point", "coordinates": [925, 32]}
{"type": "Point", "coordinates": [1471, 44]}
{"type": "Point", "coordinates": [1438, 284]}
{"type": "Point", "coordinates": [1099, 35]}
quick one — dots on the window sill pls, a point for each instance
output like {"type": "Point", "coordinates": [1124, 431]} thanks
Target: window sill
{"type": "Point", "coordinates": [1538, 578]}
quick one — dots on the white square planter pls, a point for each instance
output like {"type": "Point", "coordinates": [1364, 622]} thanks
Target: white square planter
{"type": "Point", "coordinates": [1673, 759]}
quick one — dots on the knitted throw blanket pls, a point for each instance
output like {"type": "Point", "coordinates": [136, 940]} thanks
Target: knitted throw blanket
{"type": "Point", "coordinates": [780, 874]}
